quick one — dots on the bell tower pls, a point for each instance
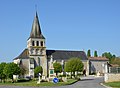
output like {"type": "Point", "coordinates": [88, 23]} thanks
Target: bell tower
{"type": "Point", "coordinates": [36, 46]}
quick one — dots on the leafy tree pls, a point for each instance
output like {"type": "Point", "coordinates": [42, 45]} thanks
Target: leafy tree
{"type": "Point", "coordinates": [113, 56]}
{"type": "Point", "coordinates": [73, 65]}
{"type": "Point", "coordinates": [2, 75]}
{"type": "Point", "coordinates": [116, 61]}
{"type": "Point", "coordinates": [11, 69]}
{"type": "Point", "coordinates": [95, 54]}
{"type": "Point", "coordinates": [89, 53]}
{"type": "Point", "coordinates": [23, 70]}
{"type": "Point", "coordinates": [109, 56]}
{"type": "Point", "coordinates": [57, 67]}
{"type": "Point", "coordinates": [38, 70]}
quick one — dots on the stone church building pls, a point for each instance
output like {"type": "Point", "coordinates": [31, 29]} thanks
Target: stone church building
{"type": "Point", "coordinates": [36, 53]}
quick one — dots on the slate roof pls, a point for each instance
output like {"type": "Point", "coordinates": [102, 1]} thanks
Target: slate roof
{"type": "Point", "coordinates": [23, 55]}
{"type": "Point", "coordinates": [36, 30]}
{"type": "Point", "coordinates": [65, 55]}
{"type": "Point", "coordinates": [57, 54]}
{"type": "Point", "coordinates": [98, 59]}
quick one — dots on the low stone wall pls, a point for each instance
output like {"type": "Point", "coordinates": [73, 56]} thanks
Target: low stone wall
{"type": "Point", "coordinates": [110, 77]}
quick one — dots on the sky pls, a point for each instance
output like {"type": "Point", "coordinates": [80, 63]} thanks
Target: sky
{"type": "Point", "coordinates": [66, 25]}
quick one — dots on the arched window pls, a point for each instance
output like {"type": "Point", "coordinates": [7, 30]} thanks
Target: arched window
{"type": "Point", "coordinates": [33, 43]}
{"type": "Point", "coordinates": [37, 43]}
{"type": "Point", "coordinates": [37, 51]}
{"type": "Point", "coordinates": [32, 51]}
{"type": "Point", "coordinates": [41, 43]}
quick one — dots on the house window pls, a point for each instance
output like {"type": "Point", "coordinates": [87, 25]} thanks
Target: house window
{"type": "Point", "coordinates": [33, 43]}
{"type": "Point", "coordinates": [41, 43]}
{"type": "Point", "coordinates": [37, 43]}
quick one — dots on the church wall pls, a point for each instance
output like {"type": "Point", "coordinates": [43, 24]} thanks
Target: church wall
{"type": "Point", "coordinates": [40, 61]}
{"type": "Point", "coordinates": [44, 65]}
{"type": "Point", "coordinates": [25, 64]}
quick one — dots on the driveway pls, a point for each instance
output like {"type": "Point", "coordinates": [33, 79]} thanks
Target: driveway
{"type": "Point", "coordinates": [86, 82]}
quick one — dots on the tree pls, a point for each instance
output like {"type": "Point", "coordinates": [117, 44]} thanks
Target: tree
{"type": "Point", "coordinates": [95, 54]}
{"type": "Point", "coordinates": [38, 70]}
{"type": "Point", "coordinates": [89, 53]}
{"type": "Point", "coordinates": [23, 70]}
{"type": "Point", "coordinates": [73, 65]}
{"type": "Point", "coordinates": [109, 56]}
{"type": "Point", "coordinates": [11, 69]}
{"type": "Point", "coordinates": [57, 67]}
{"type": "Point", "coordinates": [2, 75]}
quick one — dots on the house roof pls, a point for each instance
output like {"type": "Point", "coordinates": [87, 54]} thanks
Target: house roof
{"type": "Point", "coordinates": [98, 58]}
{"type": "Point", "coordinates": [113, 65]}
{"type": "Point", "coordinates": [36, 30]}
{"type": "Point", "coordinates": [57, 54]}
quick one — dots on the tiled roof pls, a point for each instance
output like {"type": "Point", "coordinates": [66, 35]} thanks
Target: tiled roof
{"type": "Point", "coordinates": [57, 54]}
{"type": "Point", "coordinates": [98, 58]}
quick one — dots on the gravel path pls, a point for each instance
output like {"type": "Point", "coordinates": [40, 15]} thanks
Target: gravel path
{"type": "Point", "coordinates": [86, 82]}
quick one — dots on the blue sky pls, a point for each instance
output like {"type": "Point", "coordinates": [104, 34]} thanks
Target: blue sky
{"type": "Point", "coordinates": [66, 24]}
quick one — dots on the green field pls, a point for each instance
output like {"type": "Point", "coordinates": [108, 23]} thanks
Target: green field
{"type": "Point", "coordinates": [113, 84]}
{"type": "Point", "coordinates": [34, 83]}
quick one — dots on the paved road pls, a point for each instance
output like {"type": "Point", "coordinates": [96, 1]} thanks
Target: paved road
{"type": "Point", "coordinates": [86, 82]}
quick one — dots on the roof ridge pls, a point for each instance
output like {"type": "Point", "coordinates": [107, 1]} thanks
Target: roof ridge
{"type": "Point", "coordinates": [65, 50]}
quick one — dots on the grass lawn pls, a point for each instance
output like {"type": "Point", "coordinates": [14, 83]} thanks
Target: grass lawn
{"type": "Point", "coordinates": [34, 83]}
{"type": "Point", "coordinates": [113, 84]}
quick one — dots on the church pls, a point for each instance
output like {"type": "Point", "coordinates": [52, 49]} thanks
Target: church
{"type": "Point", "coordinates": [36, 53]}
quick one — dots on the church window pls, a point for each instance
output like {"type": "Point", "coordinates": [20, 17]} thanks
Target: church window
{"type": "Point", "coordinates": [33, 43]}
{"type": "Point", "coordinates": [37, 51]}
{"type": "Point", "coordinates": [41, 51]}
{"type": "Point", "coordinates": [32, 51]}
{"type": "Point", "coordinates": [41, 43]}
{"type": "Point", "coordinates": [37, 43]}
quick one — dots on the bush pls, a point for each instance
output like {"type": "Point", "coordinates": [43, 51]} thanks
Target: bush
{"type": "Point", "coordinates": [60, 80]}
{"type": "Point", "coordinates": [23, 80]}
{"type": "Point", "coordinates": [44, 80]}
{"type": "Point", "coordinates": [62, 75]}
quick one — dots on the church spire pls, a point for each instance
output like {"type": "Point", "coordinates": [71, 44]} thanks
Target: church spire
{"type": "Point", "coordinates": [36, 30]}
